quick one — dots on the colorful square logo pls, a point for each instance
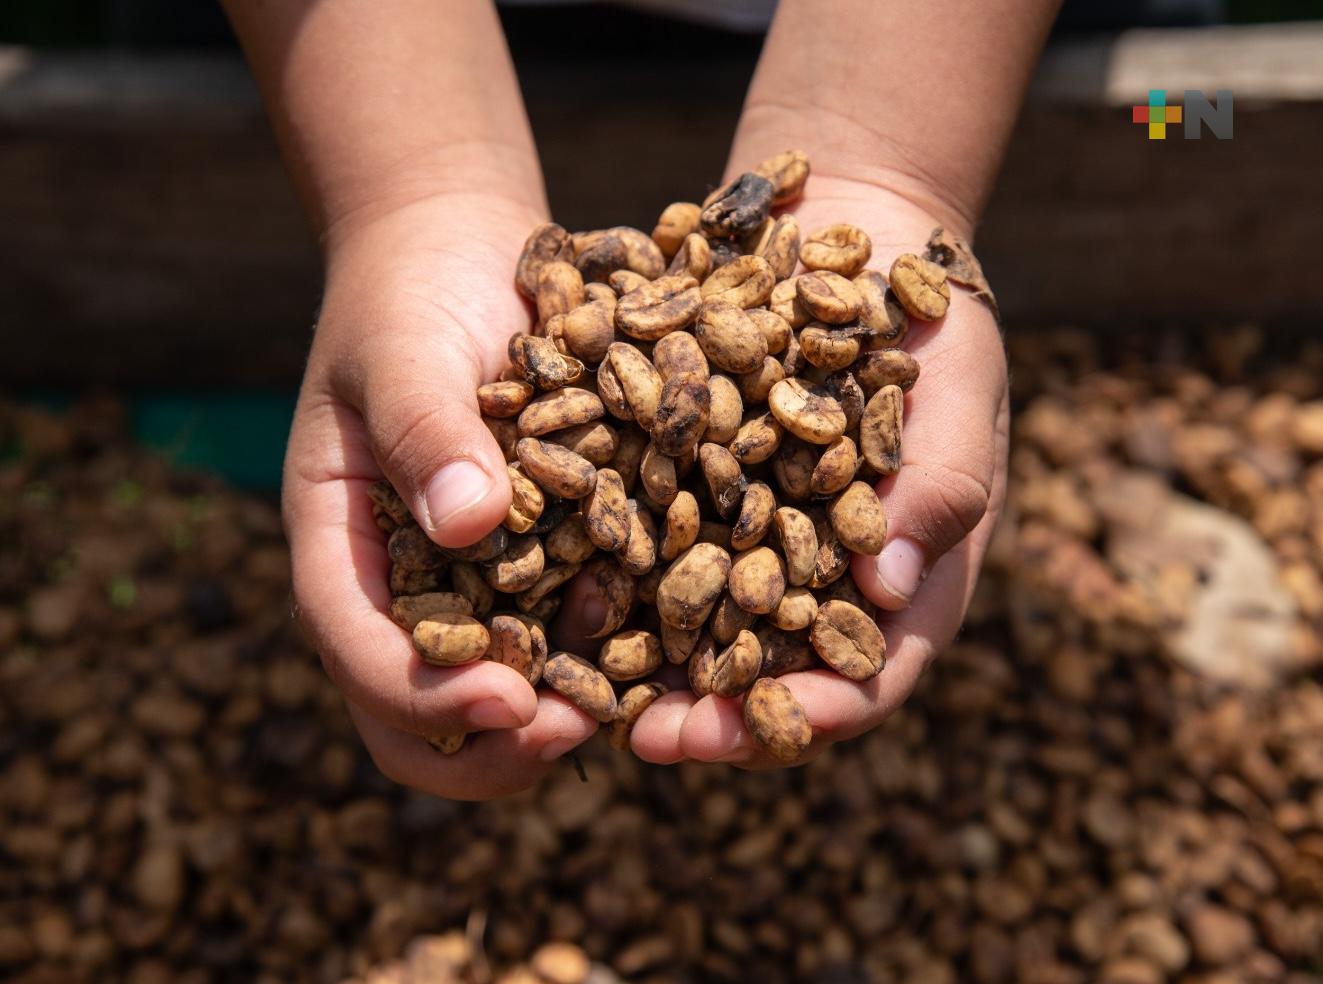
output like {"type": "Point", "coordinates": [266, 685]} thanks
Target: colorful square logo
{"type": "Point", "coordinates": [1156, 114]}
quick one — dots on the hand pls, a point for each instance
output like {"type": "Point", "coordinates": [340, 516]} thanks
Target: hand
{"type": "Point", "coordinates": [941, 509]}
{"type": "Point", "coordinates": [418, 308]}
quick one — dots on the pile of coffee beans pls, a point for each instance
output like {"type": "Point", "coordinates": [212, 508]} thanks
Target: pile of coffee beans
{"type": "Point", "coordinates": [698, 428]}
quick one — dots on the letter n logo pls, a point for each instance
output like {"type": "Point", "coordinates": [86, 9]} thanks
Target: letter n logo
{"type": "Point", "coordinates": [1216, 116]}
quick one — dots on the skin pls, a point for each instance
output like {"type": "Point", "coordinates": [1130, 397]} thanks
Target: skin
{"type": "Point", "coordinates": [403, 130]}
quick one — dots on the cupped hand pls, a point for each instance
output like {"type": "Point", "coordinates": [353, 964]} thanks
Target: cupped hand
{"type": "Point", "coordinates": [941, 509]}
{"type": "Point", "coordinates": [418, 309]}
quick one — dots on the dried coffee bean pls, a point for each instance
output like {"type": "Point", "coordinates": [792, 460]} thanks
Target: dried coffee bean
{"type": "Point", "coordinates": [556, 469]}
{"type": "Point", "coordinates": [633, 702]}
{"type": "Point", "coordinates": [518, 567]}
{"type": "Point", "coordinates": [798, 541]}
{"type": "Point", "coordinates": [693, 259]}
{"type": "Point", "coordinates": [681, 528]}
{"type": "Point", "coordinates": [677, 644]}
{"type": "Point", "coordinates": [612, 393]}
{"type": "Point", "coordinates": [630, 655]}
{"type": "Point", "coordinates": [639, 381]}
{"type": "Point", "coordinates": [385, 498]}
{"type": "Point", "coordinates": [505, 433]}
{"type": "Point", "coordinates": [880, 429]}
{"type": "Point", "coordinates": [736, 667]}
{"type": "Point", "coordinates": [679, 354]}
{"type": "Point", "coordinates": [776, 330]}
{"type": "Point", "coordinates": [725, 410]}
{"type": "Point", "coordinates": [589, 329]}
{"type": "Point", "coordinates": [639, 554]}
{"type": "Point", "coordinates": [450, 640]}
{"type": "Point", "coordinates": [504, 399]}
{"type": "Point", "coordinates": [787, 171]}
{"type": "Point", "coordinates": [758, 439]}
{"type": "Point", "coordinates": [682, 414]}
{"type": "Point", "coordinates": [406, 582]}
{"type": "Point", "coordinates": [833, 559]}
{"type": "Point", "coordinates": [526, 501]}
{"type": "Point", "coordinates": [757, 580]}
{"type": "Point", "coordinates": [408, 610]}
{"type": "Point", "coordinates": [746, 282]}
{"type": "Point", "coordinates": [793, 362]}
{"type": "Point", "coordinates": [626, 462]}
{"type": "Point", "coordinates": [702, 665]}
{"type": "Point", "coordinates": [447, 744]}
{"type": "Point", "coordinates": [784, 303]}
{"type": "Point", "coordinates": [538, 636]}
{"type": "Point", "coordinates": [886, 367]}
{"type": "Point", "coordinates": [601, 256]}
{"type": "Point", "coordinates": [410, 548]}
{"type": "Point", "coordinates": [880, 311]}
{"type": "Point", "coordinates": [828, 349]}
{"type": "Point", "coordinates": [729, 338]}
{"type": "Point", "coordinates": [728, 620]}
{"type": "Point", "coordinates": [776, 720]}
{"type": "Point", "coordinates": [845, 390]}
{"type": "Point", "coordinates": [780, 248]}
{"type": "Point", "coordinates": [615, 587]}
{"type": "Point", "coordinates": [796, 610]}
{"type": "Point", "coordinates": [738, 207]}
{"type": "Point", "coordinates": [692, 585]}
{"type": "Point", "coordinates": [551, 579]}
{"type": "Point", "coordinates": [858, 519]}
{"type": "Point", "coordinates": [556, 411]}
{"type": "Point", "coordinates": [754, 386]}
{"type": "Point", "coordinates": [755, 518]}
{"type": "Point", "coordinates": [784, 652]}
{"type": "Point", "coordinates": [808, 412]}
{"type": "Point", "coordinates": [467, 581]}
{"type": "Point", "coordinates": [642, 254]}
{"type": "Point", "coordinates": [793, 468]}
{"type": "Point", "coordinates": [828, 296]}
{"type": "Point", "coordinates": [582, 684]}
{"type": "Point", "coordinates": [594, 441]}
{"type": "Point", "coordinates": [491, 545]}
{"type": "Point", "coordinates": [848, 640]}
{"type": "Point", "coordinates": [512, 645]}
{"type": "Point", "coordinates": [569, 543]}
{"type": "Point", "coordinates": [920, 286]}
{"type": "Point", "coordinates": [623, 281]}
{"type": "Point", "coordinates": [836, 468]}
{"type": "Point", "coordinates": [606, 511]}
{"type": "Point", "coordinates": [842, 249]}
{"type": "Point", "coordinates": [725, 479]}
{"type": "Point", "coordinates": [679, 219]}
{"type": "Point", "coordinates": [559, 289]}
{"type": "Point", "coordinates": [660, 307]}
{"type": "Point", "coordinates": [657, 473]}
{"type": "Point", "coordinates": [548, 243]}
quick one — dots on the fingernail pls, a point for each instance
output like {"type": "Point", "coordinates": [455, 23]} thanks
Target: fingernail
{"type": "Point", "coordinates": [557, 747]}
{"type": "Point", "coordinates": [900, 567]}
{"type": "Point", "coordinates": [492, 712]}
{"type": "Point", "coordinates": [457, 487]}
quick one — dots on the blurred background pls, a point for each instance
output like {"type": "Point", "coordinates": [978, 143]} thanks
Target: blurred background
{"type": "Point", "coordinates": [1116, 775]}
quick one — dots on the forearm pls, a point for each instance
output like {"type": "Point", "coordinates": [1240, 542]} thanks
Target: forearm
{"type": "Point", "coordinates": [918, 99]}
{"type": "Point", "coordinates": [377, 105]}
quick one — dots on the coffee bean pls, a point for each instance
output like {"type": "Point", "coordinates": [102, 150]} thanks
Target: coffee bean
{"type": "Point", "coordinates": [920, 286]}
{"type": "Point", "coordinates": [848, 640]}
{"type": "Point", "coordinates": [450, 639]}
{"type": "Point", "coordinates": [582, 684]}
{"type": "Point", "coordinates": [842, 249]}
{"type": "Point", "coordinates": [630, 707]}
{"type": "Point", "coordinates": [776, 720]}
{"type": "Point", "coordinates": [738, 207]}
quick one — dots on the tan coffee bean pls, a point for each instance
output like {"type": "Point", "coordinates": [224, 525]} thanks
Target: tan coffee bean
{"type": "Point", "coordinates": [556, 469]}
{"type": "Point", "coordinates": [793, 362]}
{"type": "Point", "coordinates": [828, 349]}
{"type": "Point", "coordinates": [633, 702]}
{"type": "Point", "coordinates": [556, 411]}
{"type": "Point", "coordinates": [859, 520]}
{"type": "Point", "coordinates": [489, 546]}
{"type": "Point", "coordinates": [737, 666]}
{"type": "Point", "coordinates": [642, 254]}
{"type": "Point", "coordinates": [407, 582]}
{"type": "Point", "coordinates": [724, 477]}
{"type": "Point", "coordinates": [745, 281]}
{"type": "Point", "coordinates": [755, 517]}
{"type": "Point", "coordinates": [880, 312]}
{"type": "Point", "coordinates": [409, 547]}
{"type": "Point", "coordinates": [589, 329]}
{"type": "Point", "coordinates": [657, 473]}
{"type": "Point", "coordinates": [776, 330]}
{"type": "Point", "coordinates": [787, 171]}
{"type": "Point", "coordinates": [725, 410]}
{"type": "Point", "coordinates": [784, 303]}
{"type": "Point", "coordinates": [808, 412]}
{"type": "Point", "coordinates": [559, 289]}
{"type": "Point", "coordinates": [692, 585]}
{"type": "Point", "coordinates": [738, 207]}
{"type": "Point", "coordinates": [784, 652]}
{"type": "Point", "coordinates": [505, 399]}
{"type": "Point", "coordinates": [793, 468]}
{"type": "Point", "coordinates": [728, 620]}
{"type": "Point", "coordinates": [447, 744]}
{"type": "Point", "coordinates": [467, 581]}
{"type": "Point", "coordinates": [845, 390]}
{"type": "Point", "coordinates": [548, 243]}
{"type": "Point", "coordinates": [702, 666]}
{"type": "Point", "coordinates": [631, 444]}
{"type": "Point", "coordinates": [546, 609]}
{"type": "Point", "coordinates": [526, 502]}
{"type": "Point", "coordinates": [614, 586]}
{"type": "Point", "coordinates": [754, 386]}
{"type": "Point", "coordinates": [385, 498]}
{"type": "Point", "coordinates": [511, 645]}
{"type": "Point", "coordinates": [505, 433]}
{"type": "Point", "coordinates": [682, 414]}
{"type": "Point", "coordinates": [594, 441]}
{"type": "Point", "coordinates": [886, 367]}
{"type": "Point", "coordinates": [409, 610]}
{"type": "Point", "coordinates": [540, 363]}
{"type": "Point", "coordinates": [836, 468]}
{"type": "Point", "coordinates": [795, 611]}
{"type": "Point", "coordinates": [639, 381]}
{"type": "Point", "coordinates": [538, 637]}
{"type": "Point", "coordinates": [757, 580]}
{"type": "Point", "coordinates": [920, 286]}
{"type": "Point", "coordinates": [879, 431]}
{"type": "Point", "coordinates": [693, 259]}
{"type": "Point", "coordinates": [828, 296]}
{"type": "Point", "coordinates": [606, 511]}
{"type": "Point", "coordinates": [681, 527]}
{"type": "Point", "coordinates": [623, 281]}
{"type": "Point", "coordinates": [679, 219]}
{"type": "Point", "coordinates": [729, 338]}
{"type": "Point", "coordinates": [639, 554]}
{"type": "Point", "coordinates": [776, 720]}
{"type": "Point", "coordinates": [799, 543]}
{"type": "Point", "coordinates": [568, 542]}
{"type": "Point", "coordinates": [679, 354]}
{"type": "Point", "coordinates": [629, 655]}
{"type": "Point", "coordinates": [551, 579]}
{"type": "Point", "coordinates": [677, 644]}
{"type": "Point", "coordinates": [780, 248]}
{"type": "Point", "coordinates": [842, 249]}
{"type": "Point", "coordinates": [833, 559]}
{"type": "Point", "coordinates": [450, 640]}
{"type": "Point", "coordinates": [660, 307]}
{"type": "Point", "coordinates": [757, 439]}
{"type": "Point", "coordinates": [518, 567]}
{"type": "Point", "coordinates": [848, 641]}
{"type": "Point", "coordinates": [600, 256]}
{"type": "Point", "coordinates": [582, 684]}
{"type": "Point", "coordinates": [717, 534]}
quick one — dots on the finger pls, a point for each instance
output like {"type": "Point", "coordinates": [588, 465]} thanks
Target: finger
{"type": "Point", "coordinates": [416, 391]}
{"type": "Point", "coordinates": [340, 588]}
{"type": "Point", "coordinates": [488, 765]}
{"type": "Point", "coordinates": [949, 455]}
{"type": "Point", "coordinates": [656, 734]}
{"type": "Point", "coordinates": [582, 613]}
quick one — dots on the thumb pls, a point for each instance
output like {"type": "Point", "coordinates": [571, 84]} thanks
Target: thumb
{"type": "Point", "coordinates": [419, 403]}
{"type": "Point", "coordinates": [949, 454]}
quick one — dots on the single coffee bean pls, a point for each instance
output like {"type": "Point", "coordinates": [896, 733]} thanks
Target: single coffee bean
{"type": "Point", "coordinates": [729, 338]}
{"type": "Point", "coordinates": [657, 473]}
{"type": "Point", "coordinates": [660, 307]}
{"type": "Point", "coordinates": [796, 610]}
{"type": "Point", "coordinates": [407, 611]}
{"type": "Point", "coordinates": [559, 289]}
{"type": "Point", "coordinates": [738, 207]}
{"type": "Point", "coordinates": [556, 411]}
{"type": "Point", "coordinates": [758, 439]}
{"type": "Point", "coordinates": [630, 655]}
{"type": "Point", "coordinates": [518, 567]}
{"type": "Point", "coordinates": [692, 585]}
{"type": "Point", "coordinates": [615, 586]}
{"type": "Point", "coordinates": [754, 386]}
{"type": "Point", "coordinates": [551, 579]}
{"type": "Point", "coordinates": [558, 470]}
{"type": "Point", "coordinates": [702, 666]}
{"type": "Point", "coordinates": [755, 517]}
{"type": "Point", "coordinates": [780, 247]}
{"type": "Point", "coordinates": [589, 329]}
{"type": "Point", "coordinates": [594, 441]}
{"type": "Point", "coordinates": [806, 411]}
{"type": "Point", "coordinates": [776, 720]}
{"type": "Point", "coordinates": [725, 410]}
{"type": "Point", "coordinates": [640, 382]}
{"type": "Point", "coordinates": [880, 311]}
{"type": "Point", "coordinates": [787, 171]}
{"type": "Point", "coordinates": [784, 652]}
{"type": "Point", "coordinates": [505, 399]}
{"type": "Point", "coordinates": [512, 645]}
{"type": "Point", "coordinates": [886, 367]}
{"type": "Point", "coordinates": [630, 707]}
{"type": "Point", "coordinates": [450, 640]}
{"type": "Point", "coordinates": [827, 348]}
{"type": "Point", "coordinates": [776, 330]}
{"type": "Point", "coordinates": [784, 303]}
{"type": "Point", "coordinates": [681, 527]}
{"type": "Point", "coordinates": [848, 641]}
{"type": "Point", "coordinates": [757, 580]}
{"type": "Point", "coordinates": [879, 431]}
{"type": "Point", "coordinates": [679, 354]}
{"type": "Point", "coordinates": [736, 667]}
{"type": "Point", "coordinates": [799, 543]}
{"type": "Point", "coordinates": [746, 282]}
{"type": "Point", "coordinates": [568, 542]}
{"type": "Point", "coordinates": [725, 479]}
{"type": "Point", "coordinates": [682, 414]}
{"type": "Point", "coordinates": [920, 286]}
{"type": "Point", "coordinates": [677, 644]}
{"type": "Point", "coordinates": [526, 501]}
{"type": "Point", "coordinates": [678, 220]}
{"type": "Point", "coordinates": [728, 620]}
{"type": "Point", "coordinates": [606, 511]}
{"type": "Point", "coordinates": [548, 243]}
{"type": "Point", "coordinates": [858, 519]}
{"type": "Point", "coordinates": [410, 548]}
{"type": "Point", "coordinates": [842, 249]}
{"type": "Point", "coordinates": [833, 559]}
{"type": "Point", "coordinates": [828, 296]}
{"type": "Point", "coordinates": [693, 259]}
{"type": "Point", "coordinates": [582, 684]}
{"type": "Point", "coordinates": [639, 554]}
{"type": "Point", "coordinates": [836, 468]}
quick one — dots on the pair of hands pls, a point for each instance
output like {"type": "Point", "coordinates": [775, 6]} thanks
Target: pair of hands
{"type": "Point", "coordinates": [419, 305]}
